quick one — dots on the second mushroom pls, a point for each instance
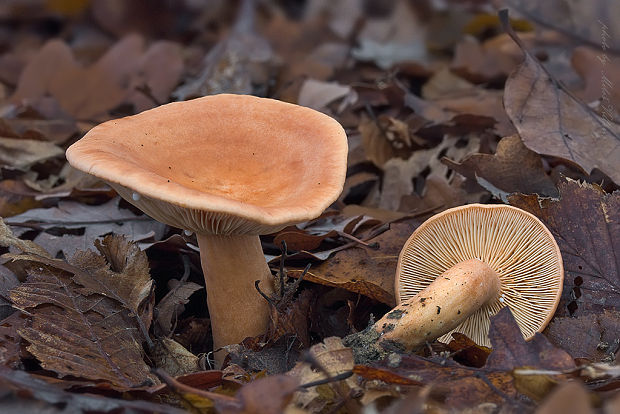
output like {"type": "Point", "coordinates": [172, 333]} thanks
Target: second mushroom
{"type": "Point", "coordinates": [462, 266]}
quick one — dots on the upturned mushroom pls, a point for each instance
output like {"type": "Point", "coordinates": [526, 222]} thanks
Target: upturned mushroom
{"type": "Point", "coordinates": [229, 168]}
{"type": "Point", "coordinates": [462, 266]}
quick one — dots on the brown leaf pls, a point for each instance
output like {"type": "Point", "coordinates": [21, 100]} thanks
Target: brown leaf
{"type": "Point", "coordinates": [590, 336]}
{"type": "Point", "coordinates": [26, 393]}
{"type": "Point", "coordinates": [510, 350]}
{"type": "Point", "coordinates": [171, 306]}
{"type": "Point", "coordinates": [399, 174]}
{"type": "Point", "coordinates": [120, 271]}
{"type": "Point", "coordinates": [262, 396]}
{"type": "Point", "coordinates": [600, 73]}
{"type": "Point", "coordinates": [570, 397]}
{"type": "Point", "coordinates": [11, 344]}
{"type": "Point", "coordinates": [22, 153]}
{"type": "Point", "coordinates": [385, 138]}
{"type": "Point", "coordinates": [293, 320]}
{"type": "Point", "coordinates": [584, 222]}
{"type": "Point", "coordinates": [95, 221]}
{"type": "Point", "coordinates": [88, 322]}
{"type": "Point", "coordinates": [334, 359]}
{"type": "Point", "coordinates": [318, 94]}
{"type": "Point", "coordinates": [173, 358]}
{"type": "Point", "coordinates": [7, 239]}
{"type": "Point", "coordinates": [583, 21]}
{"type": "Point", "coordinates": [364, 270]}
{"type": "Point", "coordinates": [467, 352]}
{"type": "Point", "coordinates": [512, 169]}
{"type": "Point", "coordinates": [553, 122]}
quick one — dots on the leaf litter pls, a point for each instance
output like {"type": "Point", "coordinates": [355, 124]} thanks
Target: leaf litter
{"type": "Point", "coordinates": [435, 119]}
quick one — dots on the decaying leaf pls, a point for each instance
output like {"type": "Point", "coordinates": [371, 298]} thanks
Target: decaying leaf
{"type": "Point", "coordinates": [233, 64]}
{"type": "Point", "coordinates": [399, 174]}
{"type": "Point", "coordinates": [364, 270]}
{"type": "Point", "coordinates": [584, 222]}
{"type": "Point", "coordinates": [552, 122]}
{"type": "Point", "coordinates": [173, 358]}
{"type": "Point", "coordinates": [25, 393]}
{"type": "Point", "coordinates": [171, 305]}
{"type": "Point", "coordinates": [89, 318]}
{"type": "Point", "coordinates": [333, 359]}
{"type": "Point", "coordinates": [22, 153]}
{"type": "Point", "coordinates": [592, 336]}
{"type": "Point", "coordinates": [513, 169]}
{"type": "Point", "coordinates": [89, 222]}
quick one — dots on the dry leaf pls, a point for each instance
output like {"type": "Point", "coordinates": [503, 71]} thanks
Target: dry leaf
{"type": "Point", "coordinates": [385, 138]}
{"type": "Point", "coordinates": [95, 221]}
{"type": "Point", "coordinates": [399, 174]}
{"type": "Point", "coordinates": [553, 122]}
{"type": "Point", "coordinates": [23, 153]}
{"type": "Point", "coordinates": [26, 393]}
{"type": "Point", "coordinates": [583, 20]}
{"type": "Point", "coordinates": [364, 270]}
{"type": "Point", "coordinates": [173, 358]}
{"type": "Point", "coordinates": [171, 306]}
{"type": "Point", "coordinates": [512, 169]}
{"type": "Point", "coordinates": [334, 358]}
{"type": "Point", "coordinates": [591, 336]}
{"type": "Point", "coordinates": [584, 222]}
{"type": "Point", "coordinates": [317, 94]}
{"type": "Point", "coordinates": [570, 397]}
{"type": "Point", "coordinates": [89, 322]}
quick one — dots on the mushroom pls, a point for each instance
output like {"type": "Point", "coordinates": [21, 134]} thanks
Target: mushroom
{"type": "Point", "coordinates": [462, 266]}
{"type": "Point", "coordinates": [229, 168]}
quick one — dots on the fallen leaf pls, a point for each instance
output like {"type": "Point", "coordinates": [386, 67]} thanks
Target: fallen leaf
{"type": "Point", "coordinates": [591, 336]}
{"type": "Point", "coordinates": [23, 153]}
{"type": "Point", "coordinates": [396, 39]}
{"type": "Point", "coordinates": [90, 223]}
{"type": "Point", "coordinates": [11, 344]}
{"type": "Point", "coordinates": [89, 322]}
{"type": "Point", "coordinates": [173, 358]}
{"type": "Point", "coordinates": [570, 397]}
{"type": "Point", "coordinates": [600, 73]}
{"type": "Point", "coordinates": [364, 270]}
{"type": "Point", "coordinates": [334, 359]}
{"type": "Point", "coordinates": [232, 65]}
{"type": "Point", "coordinates": [584, 222]}
{"type": "Point", "coordinates": [317, 94]}
{"type": "Point", "coordinates": [268, 395]}
{"type": "Point", "coordinates": [583, 21]}
{"type": "Point", "coordinates": [512, 169]}
{"type": "Point", "coordinates": [510, 350]}
{"type": "Point", "coordinates": [385, 138]}
{"type": "Point", "coordinates": [8, 281]}
{"type": "Point", "coordinates": [171, 306]}
{"type": "Point", "coordinates": [399, 173]}
{"type": "Point", "coordinates": [25, 393]}
{"type": "Point", "coordinates": [553, 122]}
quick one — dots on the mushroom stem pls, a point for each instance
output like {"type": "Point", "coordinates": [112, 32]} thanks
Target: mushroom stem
{"type": "Point", "coordinates": [440, 307]}
{"type": "Point", "coordinates": [231, 264]}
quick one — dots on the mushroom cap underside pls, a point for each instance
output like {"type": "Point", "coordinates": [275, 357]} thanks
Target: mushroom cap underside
{"type": "Point", "coordinates": [513, 242]}
{"type": "Point", "coordinates": [220, 164]}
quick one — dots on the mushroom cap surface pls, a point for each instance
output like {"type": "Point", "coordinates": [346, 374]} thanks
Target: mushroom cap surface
{"type": "Point", "coordinates": [220, 164]}
{"type": "Point", "coordinates": [513, 242]}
